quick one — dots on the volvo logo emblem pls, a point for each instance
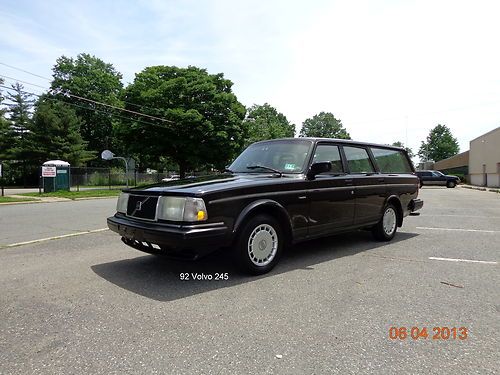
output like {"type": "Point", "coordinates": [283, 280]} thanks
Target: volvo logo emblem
{"type": "Point", "coordinates": [262, 245]}
{"type": "Point", "coordinates": [138, 206]}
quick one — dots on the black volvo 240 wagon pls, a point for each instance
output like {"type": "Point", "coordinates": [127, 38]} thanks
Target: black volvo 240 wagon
{"type": "Point", "coordinates": [275, 193]}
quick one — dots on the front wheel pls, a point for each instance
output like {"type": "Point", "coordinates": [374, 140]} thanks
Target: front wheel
{"type": "Point", "coordinates": [385, 229]}
{"type": "Point", "coordinates": [451, 184]}
{"type": "Point", "coordinates": [259, 245]}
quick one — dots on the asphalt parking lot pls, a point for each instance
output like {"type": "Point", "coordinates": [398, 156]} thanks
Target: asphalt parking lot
{"type": "Point", "coordinates": [88, 304]}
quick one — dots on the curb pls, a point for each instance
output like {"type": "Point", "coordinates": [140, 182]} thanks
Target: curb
{"type": "Point", "coordinates": [480, 188]}
{"type": "Point", "coordinates": [54, 200]}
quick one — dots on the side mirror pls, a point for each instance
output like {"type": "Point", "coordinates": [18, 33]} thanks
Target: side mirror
{"type": "Point", "coordinates": [318, 168]}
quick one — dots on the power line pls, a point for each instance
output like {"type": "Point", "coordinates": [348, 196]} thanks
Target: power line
{"type": "Point", "coordinates": [80, 106]}
{"type": "Point", "coordinates": [25, 71]}
{"type": "Point", "coordinates": [89, 100]}
{"type": "Point", "coordinates": [48, 79]}
{"type": "Point", "coordinates": [25, 82]}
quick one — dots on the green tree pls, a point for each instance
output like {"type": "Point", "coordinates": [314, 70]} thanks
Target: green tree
{"type": "Point", "coordinates": [202, 117]}
{"type": "Point", "coordinates": [89, 77]}
{"type": "Point", "coordinates": [324, 125]}
{"type": "Point", "coordinates": [7, 133]}
{"type": "Point", "coordinates": [265, 122]}
{"type": "Point", "coordinates": [408, 149]}
{"type": "Point", "coordinates": [55, 134]}
{"type": "Point", "coordinates": [20, 107]}
{"type": "Point", "coordinates": [440, 144]}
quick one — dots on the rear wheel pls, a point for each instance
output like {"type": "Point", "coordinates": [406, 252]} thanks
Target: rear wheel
{"type": "Point", "coordinates": [259, 244]}
{"type": "Point", "coordinates": [386, 228]}
{"type": "Point", "coordinates": [451, 184]}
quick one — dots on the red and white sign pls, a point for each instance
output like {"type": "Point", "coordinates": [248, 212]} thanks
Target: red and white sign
{"type": "Point", "coordinates": [48, 171]}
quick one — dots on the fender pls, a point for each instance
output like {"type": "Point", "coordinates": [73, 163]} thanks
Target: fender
{"type": "Point", "coordinates": [396, 197]}
{"type": "Point", "coordinates": [268, 203]}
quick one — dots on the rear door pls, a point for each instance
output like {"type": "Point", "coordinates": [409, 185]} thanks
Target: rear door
{"type": "Point", "coordinates": [426, 178]}
{"type": "Point", "coordinates": [438, 178]}
{"type": "Point", "coordinates": [332, 200]}
{"type": "Point", "coordinates": [370, 190]}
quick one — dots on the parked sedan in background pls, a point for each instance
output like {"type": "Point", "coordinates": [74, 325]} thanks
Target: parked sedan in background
{"type": "Point", "coordinates": [437, 178]}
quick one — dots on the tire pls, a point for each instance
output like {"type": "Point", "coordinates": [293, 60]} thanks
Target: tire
{"type": "Point", "coordinates": [259, 245]}
{"type": "Point", "coordinates": [451, 184]}
{"type": "Point", "coordinates": [386, 228]}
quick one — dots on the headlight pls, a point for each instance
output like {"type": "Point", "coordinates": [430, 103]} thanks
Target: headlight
{"type": "Point", "coordinates": [121, 205]}
{"type": "Point", "coordinates": [182, 209]}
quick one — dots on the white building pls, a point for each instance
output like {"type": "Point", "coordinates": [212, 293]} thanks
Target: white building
{"type": "Point", "coordinates": [484, 159]}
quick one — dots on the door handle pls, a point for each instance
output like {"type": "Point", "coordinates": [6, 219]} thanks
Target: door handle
{"type": "Point", "coordinates": [381, 179]}
{"type": "Point", "coordinates": [348, 181]}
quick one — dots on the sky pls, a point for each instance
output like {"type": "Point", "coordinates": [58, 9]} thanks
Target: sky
{"type": "Point", "coordinates": [389, 70]}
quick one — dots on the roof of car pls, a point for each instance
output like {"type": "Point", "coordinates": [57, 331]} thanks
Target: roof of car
{"type": "Point", "coordinates": [347, 141]}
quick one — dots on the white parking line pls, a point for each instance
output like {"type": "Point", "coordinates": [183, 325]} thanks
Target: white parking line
{"type": "Point", "coordinates": [461, 230]}
{"type": "Point", "coordinates": [54, 238]}
{"type": "Point", "coordinates": [465, 216]}
{"type": "Point", "coordinates": [464, 260]}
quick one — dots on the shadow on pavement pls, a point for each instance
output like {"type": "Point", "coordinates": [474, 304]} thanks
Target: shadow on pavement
{"type": "Point", "coordinates": [158, 278]}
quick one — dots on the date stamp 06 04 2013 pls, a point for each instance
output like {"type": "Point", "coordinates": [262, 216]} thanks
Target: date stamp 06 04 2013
{"type": "Point", "coordinates": [436, 333]}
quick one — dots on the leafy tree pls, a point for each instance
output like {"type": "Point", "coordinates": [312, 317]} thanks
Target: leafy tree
{"type": "Point", "coordinates": [265, 122]}
{"type": "Point", "coordinates": [89, 77]}
{"type": "Point", "coordinates": [202, 117]}
{"type": "Point", "coordinates": [440, 144]}
{"type": "Point", "coordinates": [54, 134]}
{"type": "Point", "coordinates": [324, 125]}
{"type": "Point", "coordinates": [7, 133]}
{"type": "Point", "coordinates": [408, 149]}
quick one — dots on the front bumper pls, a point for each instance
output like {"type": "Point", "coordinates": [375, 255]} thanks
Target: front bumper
{"type": "Point", "coordinates": [199, 239]}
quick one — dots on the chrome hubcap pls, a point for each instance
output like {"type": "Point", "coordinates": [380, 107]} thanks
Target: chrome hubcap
{"type": "Point", "coordinates": [389, 221]}
{"type": "Point", "coordinates": [262, 245]}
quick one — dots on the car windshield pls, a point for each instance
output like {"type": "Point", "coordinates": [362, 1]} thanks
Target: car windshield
{"type": "Point", "coordinates": [438, 174]}
{"type": "Point", "coordinates": [284, 156]}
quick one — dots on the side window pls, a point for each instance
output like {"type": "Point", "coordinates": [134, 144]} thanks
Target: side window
{"type": "Point", "coordinates": [358, 160]}
{"type": "Point", "coordinates": [391, 161]}
{"type": "Point", "coordinates": [329, 153]}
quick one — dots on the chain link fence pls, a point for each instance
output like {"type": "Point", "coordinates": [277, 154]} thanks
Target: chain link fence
{"type": "Point", "coordinates": [115, 178]}
{"type": "Point", "coordinates": [90, 178]}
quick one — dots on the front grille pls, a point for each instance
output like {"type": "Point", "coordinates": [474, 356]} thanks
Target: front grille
{"type": "Point", "coordinates": [142, 207]}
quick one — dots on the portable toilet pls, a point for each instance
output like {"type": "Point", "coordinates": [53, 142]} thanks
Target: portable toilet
{"type": "Point", "coordinates": [55, 175]}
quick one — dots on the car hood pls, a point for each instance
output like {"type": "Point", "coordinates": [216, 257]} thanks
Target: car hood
{"type": "Point", "coordinates": [213, 183]}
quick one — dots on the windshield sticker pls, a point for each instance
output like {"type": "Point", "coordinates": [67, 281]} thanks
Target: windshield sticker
{"type": "Point", "coordinates": [290, 166]}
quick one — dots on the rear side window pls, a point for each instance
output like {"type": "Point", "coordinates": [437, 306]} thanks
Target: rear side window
{"type": "Point", "coordinates": [329, 153]}
{"type": "Point", "coordinates": [391, 161]}
{"type": "Point", "coordinates": [358, 160]}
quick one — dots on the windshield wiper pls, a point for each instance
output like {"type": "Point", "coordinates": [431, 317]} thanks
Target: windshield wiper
{"type": "Point", "coordinates": [266, 168]}
{"type": "Point", "coordinates": [228, 170]}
